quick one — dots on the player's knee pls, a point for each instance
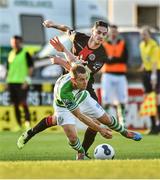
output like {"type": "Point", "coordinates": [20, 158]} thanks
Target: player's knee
{"type": "Point", "coordinates": [105, 119]}
{"type": "Point", "coordinates": [54, 120]}
{"type": "Point", "coordinates": [72, 139]}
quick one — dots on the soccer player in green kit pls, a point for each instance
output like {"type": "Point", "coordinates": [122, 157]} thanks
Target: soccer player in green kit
{"type": "Point", "coordinates": [70, 95]}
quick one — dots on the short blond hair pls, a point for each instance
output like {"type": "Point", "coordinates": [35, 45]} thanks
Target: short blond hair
{"type": "Point", "coordinates": [77, 69]}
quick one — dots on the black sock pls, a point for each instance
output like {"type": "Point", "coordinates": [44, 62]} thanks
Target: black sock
{"type": "Point", "coordinates": [77, 146]}
{"type": "Point", "coordinates": [26, 112]}
{"type": "Point", "coordinates": [18, 114]}
{"type": "Point", "coordinates": [41, 126]}
{"type": "Point", "coordinates": [158, 109]}
{"type": "Point", "coordinates": [89, 138]}
{"type": "Point", "coordinates": [153, 122]}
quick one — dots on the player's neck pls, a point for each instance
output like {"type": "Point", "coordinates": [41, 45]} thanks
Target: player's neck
{"type": "Point", "coordinates": [147, 40]}
{"type": "Point", "coordinates": [92, 44]}
{"type": "Point", "coordinates": [17, 49]}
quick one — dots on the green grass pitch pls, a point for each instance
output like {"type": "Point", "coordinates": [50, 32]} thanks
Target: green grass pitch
{"type": "Point", "coordinates": [48, 155]}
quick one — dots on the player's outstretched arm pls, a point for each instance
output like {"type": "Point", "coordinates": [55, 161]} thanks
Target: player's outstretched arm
{"type": "Point", "coordinates": [61, 48]}
{"type": "Point", "coordinates": [60, 61]}
{"type": "Point", "coordinates": [106, 133]}
{"type": "Point", "coordinates": [51, 24]}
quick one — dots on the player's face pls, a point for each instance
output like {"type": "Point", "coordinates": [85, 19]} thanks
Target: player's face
{"type": "Point", "coordinates": [113, 33]}
{"type": "Point", "coordinates": [99, 33]}
{"type": "Point", "coordinates": [145, 35]}
{"type": "Point", "coordinates": [81, 81]}
{"type": "Point", "coordinates": [15, 43]}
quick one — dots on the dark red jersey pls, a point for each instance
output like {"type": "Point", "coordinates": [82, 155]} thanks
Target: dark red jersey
{"type": "Point", "coordinates": [95, 58]}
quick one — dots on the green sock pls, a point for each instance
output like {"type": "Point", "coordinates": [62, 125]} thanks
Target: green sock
{"type": "Point", "coordinates": [77, 146]}
{"type": "Point", "coordinates": [116, 126]}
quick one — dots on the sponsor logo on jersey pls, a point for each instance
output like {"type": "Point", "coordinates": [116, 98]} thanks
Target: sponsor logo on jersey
{"type": "Point", "coordinates": [68, 103]}
{"type": "Point", "coordinates": [92, 57]}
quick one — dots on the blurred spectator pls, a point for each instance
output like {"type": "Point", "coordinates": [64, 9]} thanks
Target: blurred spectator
{"type": "Point", "coordinates": [20, 68]}
{"type": "Point", "coordinates": [151, 70]}
{"type": "Point", "coordinates": [114, 82]}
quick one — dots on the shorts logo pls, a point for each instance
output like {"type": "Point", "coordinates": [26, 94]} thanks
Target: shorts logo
{"type": "Point", "coordinates": [92, 57]}
{"type": "Point", "coordinates": [98, 106]}
{"type": "Point", "coordinates": [60, 120]}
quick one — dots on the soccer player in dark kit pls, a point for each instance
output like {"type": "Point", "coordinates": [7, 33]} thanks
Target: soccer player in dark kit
{"type": "Point", "coordinates": [91, 50]}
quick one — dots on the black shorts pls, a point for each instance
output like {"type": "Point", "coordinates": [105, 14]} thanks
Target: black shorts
{"type": "Point", "coordinates": [17, 94]}
{"type": "Point", "coordinates": [147, 82]}
{"type": "Point", "coordinates": [91, 90]}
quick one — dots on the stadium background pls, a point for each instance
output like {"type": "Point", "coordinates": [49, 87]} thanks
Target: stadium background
{"type": "Point", "coordinates": [48, 155]}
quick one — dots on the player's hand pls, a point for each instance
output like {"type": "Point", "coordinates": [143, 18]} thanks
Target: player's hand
{"type": "Point", "coordinates": [48, 23]}
{"type": "Point", "coordinates": [24, 85]}
{"type": "Point", "coordinates": [140, 69]}
{"type": "Point", "coordinates": [57, 44]}
{"type": "Point", "coordinates": [106, 133]}
{"type": "Point", "coordinates": [55, 59]}
{"type": "Point", "coordinates": [154, 80]}
{"type": "Point", "coordinates": [6, 87]}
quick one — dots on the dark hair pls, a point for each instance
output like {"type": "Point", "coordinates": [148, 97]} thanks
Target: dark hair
{"type": "Point", "coordinates": [77, 69]}
{"type": "Point", "coordinates": [101, 23]}
{"type": "Point", "coordinates": [18, 38]}
{"type": "Point", "coordinates": [114, 26]}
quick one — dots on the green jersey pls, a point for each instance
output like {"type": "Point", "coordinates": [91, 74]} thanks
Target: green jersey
{"type": "Point", "coordinates": [18, 68]}
{"type": "Point", "coordinates": [65, 95]}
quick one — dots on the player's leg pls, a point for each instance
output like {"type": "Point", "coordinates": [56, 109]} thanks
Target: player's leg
{"type": "Point", "coordinates": [14, 90]}
{"type": "Point", "coordinates": [74, 141]}
{"type": "Point", "coordinates": [114, 124]}
{"type": "Point", "coordinates": [45, 123]}
{"type": "Point", "coordinates": [158, 99]}
{"type": "Point", "coordinates": [121, 113]}
{"type": "Point", "coordinates": [122, 95]}
{"type": "Point", "coordinates": [158, 111]}
{"type": "Point", "coordinates": [27, 135]}
{"type": "Point", "coordinates": [89, 138]}
{"type": "Point", "coordinates": [90, 134]}
{"type": "Point", "coordinates": [67, 120]}
{"type": "Point", "coordinates": [17, 113]}
{"type": "Point", "coordinates": [23, 99]}
{"type": "Point", "coordinates": [91, 108]}
{"type": "Point", "coordinates": [108, 88]}
{"type": "Point", "coordinates": [148, 89]}
{"type": "Point", "coordinates": [42, 125]}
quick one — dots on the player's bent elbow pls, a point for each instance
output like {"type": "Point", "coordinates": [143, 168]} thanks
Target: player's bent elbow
{"type": "Point", "coordinates": [79, 115]}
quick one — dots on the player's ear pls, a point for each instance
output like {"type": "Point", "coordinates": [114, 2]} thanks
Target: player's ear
{"type": "Point", "coordinates": [73, 81]}
{"type": "Point", "coordinates": [93, 29]}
